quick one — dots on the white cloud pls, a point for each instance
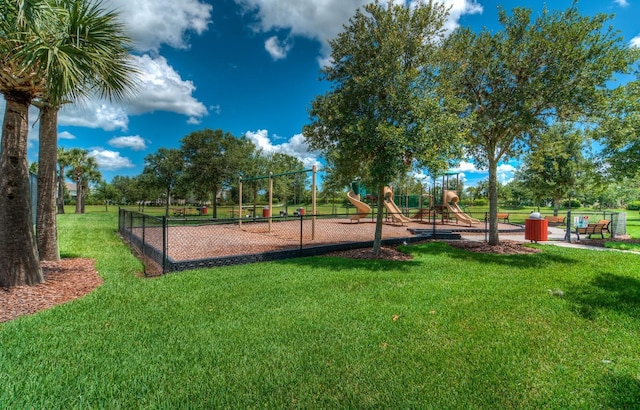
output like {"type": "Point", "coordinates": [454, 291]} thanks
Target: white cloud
{"type": "Point", "coordinates": [322, 20]}
{"type": "Point", "coordinates": [635, 42]}
{"type": "Point", "coordinates": [162, 89]}
{"type": "Point", "coordinates": [152, 23]}
{"type": "Point", "coordinates": [466, 166]}
{"type": "Point", "coordinates": [296, 147]}
{"type": "Point", "coordinates": [94, 113]}
{"type": "Point", "coordinates": [216, 109]}
{"type": "Point", "coordinates": [110, 160]}
{"type": "Point", "coordinates": [458, 9]}
{"type": "Point", "coordinates": [505, 173]}
{"type": "Point", "coordinates": [277, 49]}
{"type": "Point", "coordinates": [621, 3]}
{"type": "Point", "coordinates": [66, 135]}
{"type": "Point", "coordinates": [134, 142]}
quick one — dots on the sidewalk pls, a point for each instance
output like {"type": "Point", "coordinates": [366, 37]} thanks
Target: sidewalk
{"type": "Point", "coordinates": [556, 237]}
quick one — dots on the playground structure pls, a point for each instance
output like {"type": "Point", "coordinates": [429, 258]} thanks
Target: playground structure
{"type": "Point", "coordinates": [362, 208]}
{"type": "Point", "coordinates": [396, 213]}
{"type": "Point", "coordinates": [450, 200]}
{"type": "Point", "coordinates": [267, 212]}
{"type": "Point", "coordinates": [447, 208]}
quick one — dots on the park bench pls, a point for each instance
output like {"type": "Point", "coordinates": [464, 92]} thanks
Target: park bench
{"type": "Point", "coordinates": [593, 229]}
{"type": "Point", "coordinates": [553, 220]}
{"type": "Point", "coordinates": [606, 224]}
{"type": "Point", "coordinates": [501, 216]}
{"type": "Point", "coordinates": [184, 211]}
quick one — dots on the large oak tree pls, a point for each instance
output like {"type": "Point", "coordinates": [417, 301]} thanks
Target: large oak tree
{"type": "Point", "coordinates": [381, 116]}
{"type": "Point", "coordinates": [532, 72]}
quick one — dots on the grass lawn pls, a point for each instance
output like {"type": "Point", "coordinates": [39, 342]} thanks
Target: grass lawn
{"type": "Point", "coordinates": [449, 329]}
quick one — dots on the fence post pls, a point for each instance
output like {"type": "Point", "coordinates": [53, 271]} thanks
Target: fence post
{"type": "Point", "coordinates": [164, 244]}
{"type": "Point", "coordinates": [144, 230]}
{"type": "Point", "coordinates": [130, 225]}
{"type": "Point", "coordinates": [301, 222]}
{"type": "Point", "coordinates": [613, 227]}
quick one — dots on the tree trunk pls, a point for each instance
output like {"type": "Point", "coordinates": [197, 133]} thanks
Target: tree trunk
{"type": "Point", "coordinates": [46, 224]}
{"type": "Point", "coordinates": [494, 239]}
{"type": "Point", "coordinates": [556, 205]}
{"type": "Point", "coordinates": [84, 190]}
{"type": "Point", "coordinates": [214, 204]}
{"type": "Point", "coordinates": [61, 190]}
{"type": "Point", "coordinates": [377, 239]}
{"type": "Point", "coordinates": [19, 263]}
{"type": "Point", "coordinates": [167, 203]}
{"type": "Point", "coordinates": [78, 196]}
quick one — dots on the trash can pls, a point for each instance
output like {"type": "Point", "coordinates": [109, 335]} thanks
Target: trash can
{"type": "Point", "coordinates": [300, 211]}
{"type": "Point", "coordinates": [266, 212]}
{"type": "Point", "coordinates": [536, 229]}
{"type": "Point", "coordinates": [203, 210]}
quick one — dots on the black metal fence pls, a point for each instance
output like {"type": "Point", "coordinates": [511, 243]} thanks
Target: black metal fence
{"type": "Point", "coordinates": [189, 242]}
{"type": "Point", "coordinates": [175, 244]}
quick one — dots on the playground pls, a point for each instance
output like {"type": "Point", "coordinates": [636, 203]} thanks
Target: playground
{"type": "Point", "coordinates": [190, 241]}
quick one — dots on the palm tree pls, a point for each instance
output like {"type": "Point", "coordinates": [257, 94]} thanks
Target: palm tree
{"type": "Point", "coordinates": [44, 54]}
{"type": "Point", "coordinates": [84, 170]}
{"type": "Point", "coordinates": [95, 59]}
{"type": "Point", "coordinates": [22, 78]}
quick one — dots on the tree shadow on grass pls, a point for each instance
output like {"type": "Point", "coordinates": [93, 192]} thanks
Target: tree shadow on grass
{"type": "Point", "coordinates": [607, 291]}
{"type": "Point", "coordinates": [621, 392]}
{"type": "Point", "coordinates": [516, 261]}
{"type": "Point", "coordinates": [70, 255]}
{"type": "Point", "coordinates": [336, 263]}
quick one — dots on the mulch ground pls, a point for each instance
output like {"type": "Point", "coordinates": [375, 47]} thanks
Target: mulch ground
{"type": "Point", "coordinates": [65, 280]}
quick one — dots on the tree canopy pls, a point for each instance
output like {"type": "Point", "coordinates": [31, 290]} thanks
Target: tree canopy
{"type": "Point", "coordinates": [516, 81]}
{"type": "Point", "coordinates": [382, 116]}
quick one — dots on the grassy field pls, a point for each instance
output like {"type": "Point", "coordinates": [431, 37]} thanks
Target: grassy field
{"type": "Point", "coordinates": [449, 329]}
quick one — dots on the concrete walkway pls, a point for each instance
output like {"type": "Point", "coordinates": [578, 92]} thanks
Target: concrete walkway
{"type": "Point", "coordinates": [556, 237]}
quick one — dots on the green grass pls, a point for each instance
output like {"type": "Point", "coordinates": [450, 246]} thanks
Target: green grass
{"type": "Point", "coordinates": [623, 246]}
{"type": "Point", "coordinates": [473, 331]}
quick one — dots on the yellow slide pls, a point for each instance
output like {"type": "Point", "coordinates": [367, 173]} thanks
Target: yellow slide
{"type": "Point", "coordinates": [363, 209]}
{"type": "Point", "coordinates": [393, 209]}
{"type": "Point", "coordinates": [451, 201]}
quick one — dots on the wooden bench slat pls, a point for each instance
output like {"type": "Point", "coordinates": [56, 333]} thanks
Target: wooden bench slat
{"type": "Point", "coordinates": [592, 229]}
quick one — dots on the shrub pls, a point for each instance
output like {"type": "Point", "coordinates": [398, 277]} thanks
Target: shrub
{"type": "Point", "coordinates": [574, 203]}
{"type": "Point", "coordinates": [633, 206]}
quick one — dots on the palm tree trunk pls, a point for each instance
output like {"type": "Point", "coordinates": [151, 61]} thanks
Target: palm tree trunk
{"type": "Point", "coordinates": [85, 188]}
{"type": "Point", "coordinates": [19, 263]}
{"type": "Point", "coordinates": [78, 196]}
{"type": "Point", "coordinates": [46, 224]}
{"type": "Point", "coordinates": [61, 190]}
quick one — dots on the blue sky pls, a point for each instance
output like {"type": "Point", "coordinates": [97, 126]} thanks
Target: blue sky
{"type": "Point", "coordinates": [244, 66]}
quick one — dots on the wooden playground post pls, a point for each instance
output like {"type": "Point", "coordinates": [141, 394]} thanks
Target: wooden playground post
{"type": "Point", "coordinates": [270, 199]}
{"type": "Point", "coordinates": [240, 204]}
{"type": "Point", "coordinates": [313, 202]}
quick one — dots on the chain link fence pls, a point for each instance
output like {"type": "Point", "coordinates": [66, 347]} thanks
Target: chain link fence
{"type": "Point", "coordinates": [175, 244]}
{"type": "Point", "coordinates": [169, 244]}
